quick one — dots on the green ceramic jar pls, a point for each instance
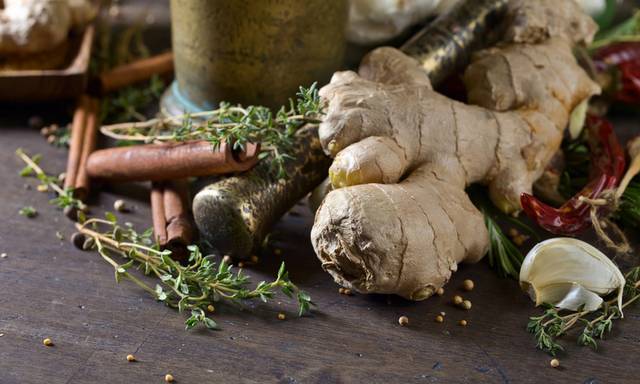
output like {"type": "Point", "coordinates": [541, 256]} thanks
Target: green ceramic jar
{"type": "Point", "coordinates": [254, 52]}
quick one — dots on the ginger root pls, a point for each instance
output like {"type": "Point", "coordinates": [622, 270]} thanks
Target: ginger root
{"type": "Point", "coordinates": [400, 220]}
{"type": "Point", "coordinates": [32, 26]}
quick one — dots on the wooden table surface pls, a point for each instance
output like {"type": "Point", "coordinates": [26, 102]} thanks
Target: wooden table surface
{"type": "Point", "coordinates": [50, 289]}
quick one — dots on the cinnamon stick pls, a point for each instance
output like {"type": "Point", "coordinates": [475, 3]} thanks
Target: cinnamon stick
{"type": "Point", "coordinates": [81, 185]}
{"type": "Point", "coordinates": [135, 72]}
{"type": "Point", "coordinates": [77, 138]}
{"type": "Point", "coordinates": [157, 214]}
{"type": "Point", "coordinates": [172, 224]}
{"type": "Point", "coordinates": [157, 162]}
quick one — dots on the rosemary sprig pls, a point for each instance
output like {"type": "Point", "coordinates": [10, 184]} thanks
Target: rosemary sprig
{"type": "Point", "coordinates": [503, 255]}
{"type": "Point", "coordinates": [188, 288]}
{"type": "Point", "coordinates": [553, 324]}
{"type": "Point", "coordinates": [232, 124]}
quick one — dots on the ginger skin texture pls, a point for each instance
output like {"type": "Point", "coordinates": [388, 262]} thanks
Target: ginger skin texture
{"type": "Point", "coordinates": [399, 220]}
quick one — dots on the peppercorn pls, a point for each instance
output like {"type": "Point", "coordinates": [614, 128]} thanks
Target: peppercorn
{"type": "Point", "coordinates": [131, 358]}
{"type": "Point", "coordinates": [48, 342]}
{"type": "Point", "coordinates": [457, 299]}
{"type": "Point", "coordinates": [468, 285]}
{"type": "Point", "coordinates": [281, 316]}
{"type": "Point", "coordinates": [439, 319]}
{"type": "Point", "coordinates": [71, 212]}
{"type": "Point", "coordinates": [440, 291]}
{"type": "Point", "coordinates": [462, 323]}
{"type": "Point", "coordinates": [555, 363]}
{"type": "Point", "coordinates": [403, 321]}
{"type": "Point", "coordinates": [168, 378]}
{"type": "Point", "coordinates": [78, 239]}
{"type": "Point", "coordinates": [466, 304]}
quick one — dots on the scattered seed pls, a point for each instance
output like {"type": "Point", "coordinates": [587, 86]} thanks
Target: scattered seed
{"type": "Point", "coordinates": [168, 378]}
{"type": "Point", "coordinates": [457, 299]}
{"type": "Point", "coordinates": [462, 323]}
{"type": "Point", "coordinates": [440, 291]}
{"type": "Point", "coordinates": [131, 358]}
{"type": "Point", "coordinates": [277, 251]}
{"type": "Point", "coordinates": [403, 321]}
{"type": "Point", "coordinates": [78, 239]}
{"type": "Point", "coordinates": [341, 291]}
{"type": "Point", "coordinates": [443, 314]}
{"type": "Point", "coordinates": [468, 285]}
{"type": "Point", "coordinates": [466, 304]}
{"type": "Point", "coordinates": [227, 259]}
{"type": "Point", "coordinates": [211, 308]}
{"type": "Point", "coordinates": [513, 232]}
{"type": "Point", "coordinates": [555, 363]}
{"type": "Point", "coordinates": [439, 319]}
{"type": "Point", "coordinates": [48, 342]}
{"type": "Point", "coordinates": [347, 291]}
{"type": "Point", "coordinates": [240, 264]}
{"type": "Point", "coordinates": [255, 259]}
{"type": "Point", "coordinates": [35, 122]}
{"type": "Point", "coordinates": [51, 139]}
{"type": "Point", "coordinates": [120, 206]}
{"type": "Point", "coordinates": [281, 316]}
{"type": "Point", "coordinates": [520, 240]}
{"type": "Point", "coordinates": [42, 188]}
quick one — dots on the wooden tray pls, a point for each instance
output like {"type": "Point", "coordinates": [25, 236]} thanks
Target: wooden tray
{"type": "Point", "coordinates": [51, 84]}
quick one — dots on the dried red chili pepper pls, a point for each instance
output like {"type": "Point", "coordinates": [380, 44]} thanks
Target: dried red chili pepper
{"type": "Point", "coordinates": [607, 168]}
{"type": "Point", "coordinates": [623, 61]}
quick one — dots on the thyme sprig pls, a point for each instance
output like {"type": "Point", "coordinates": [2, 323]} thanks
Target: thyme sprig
{"type": "Point", "coordinates": [188, 288]}
{"type": "Point", "coordinates": [232, 124]}
{"type": "Point", "coordinates": [64, 196]}
{"type": "Point", "coordinates": [553, 323]}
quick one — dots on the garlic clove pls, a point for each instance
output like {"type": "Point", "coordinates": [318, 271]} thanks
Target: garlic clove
{"type": "Point", "coordinates": [569, 273]}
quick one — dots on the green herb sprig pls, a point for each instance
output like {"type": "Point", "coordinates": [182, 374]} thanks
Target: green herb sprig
{"type": "Point", "coordinates": [64, 196]}
{"type": "Point", "coordinates": [190, 287]}
{"type": "Point", "coordinates": [233, 124]}
{"type": "Point", "coordinates": [553, 323]}
{"type": "Point", "coordinates": [28, 211]}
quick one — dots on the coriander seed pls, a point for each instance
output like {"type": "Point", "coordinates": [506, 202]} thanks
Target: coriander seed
{"type": "Point", "coordinates": [131, 358]}
{"type": "Point", "coordinates": [466, 304]}
{"type": "Point", "coordinates": [457, 300]}
{"type": "Point", "coordinates": [440, 291]}
{"type": "Point", "coordinates": [462, 323]}
{"type": "Point", "coordinates": [468, 285]}
{"type": "Point", "coordinates": [211, 308]}
{"type": "Point", "coordinates": [168, 378]}
{"type": "Point", "coordinates": [439, 319]}
{"type": "Point", "coordinates": [120, 206]}
{"type": "Point", "coordinates": [281, 316]}
{"type": "Point", "coordinates": [47, 342]}
{"type": "Point", "coordinates": [403, 321]}
{"type": "Point", "coordinates": [555, 363]}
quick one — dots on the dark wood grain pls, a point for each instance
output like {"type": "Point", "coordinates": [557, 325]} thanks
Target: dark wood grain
{"type": "Point", "coordinates": [50, 289]}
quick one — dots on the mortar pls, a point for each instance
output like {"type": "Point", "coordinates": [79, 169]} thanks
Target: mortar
{"type": "Point", "coordinates": [251, 52]}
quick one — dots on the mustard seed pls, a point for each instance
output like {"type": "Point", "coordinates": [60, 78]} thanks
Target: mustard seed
{"type": "Point", "coordinates": [468, 285]}
{"type": "Point", "coordinates": [462, 323]}
{"type": "Point", "coordinates": [131, 358]}
{"type": "Point", "coordinates": [439, 319]}
{"type": "Point", "coordinates": [403, 321]}
{"type": "Point", "coordinates": [440, 291]}
{"type": "Point", "coordinates": [211, 308]}
{"type": "Point", "coordinates": [457, 300]}
{"type": "Point", "coordinates": [168, 378]}
{"type": "Point", "coordinates": [555, 363]}
{"type": "Point", "coordinates": [466, 304]}
{"type": "Point", "coordinates": [281, 316]}
{"type": "Point", "coordinates": [48, 342]}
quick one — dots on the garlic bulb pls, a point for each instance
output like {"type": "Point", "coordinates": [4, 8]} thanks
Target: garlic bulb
{"type": "Point", "coordinates": [375, 21]}
{"type": "Point", "coordinates": [569, 273]}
